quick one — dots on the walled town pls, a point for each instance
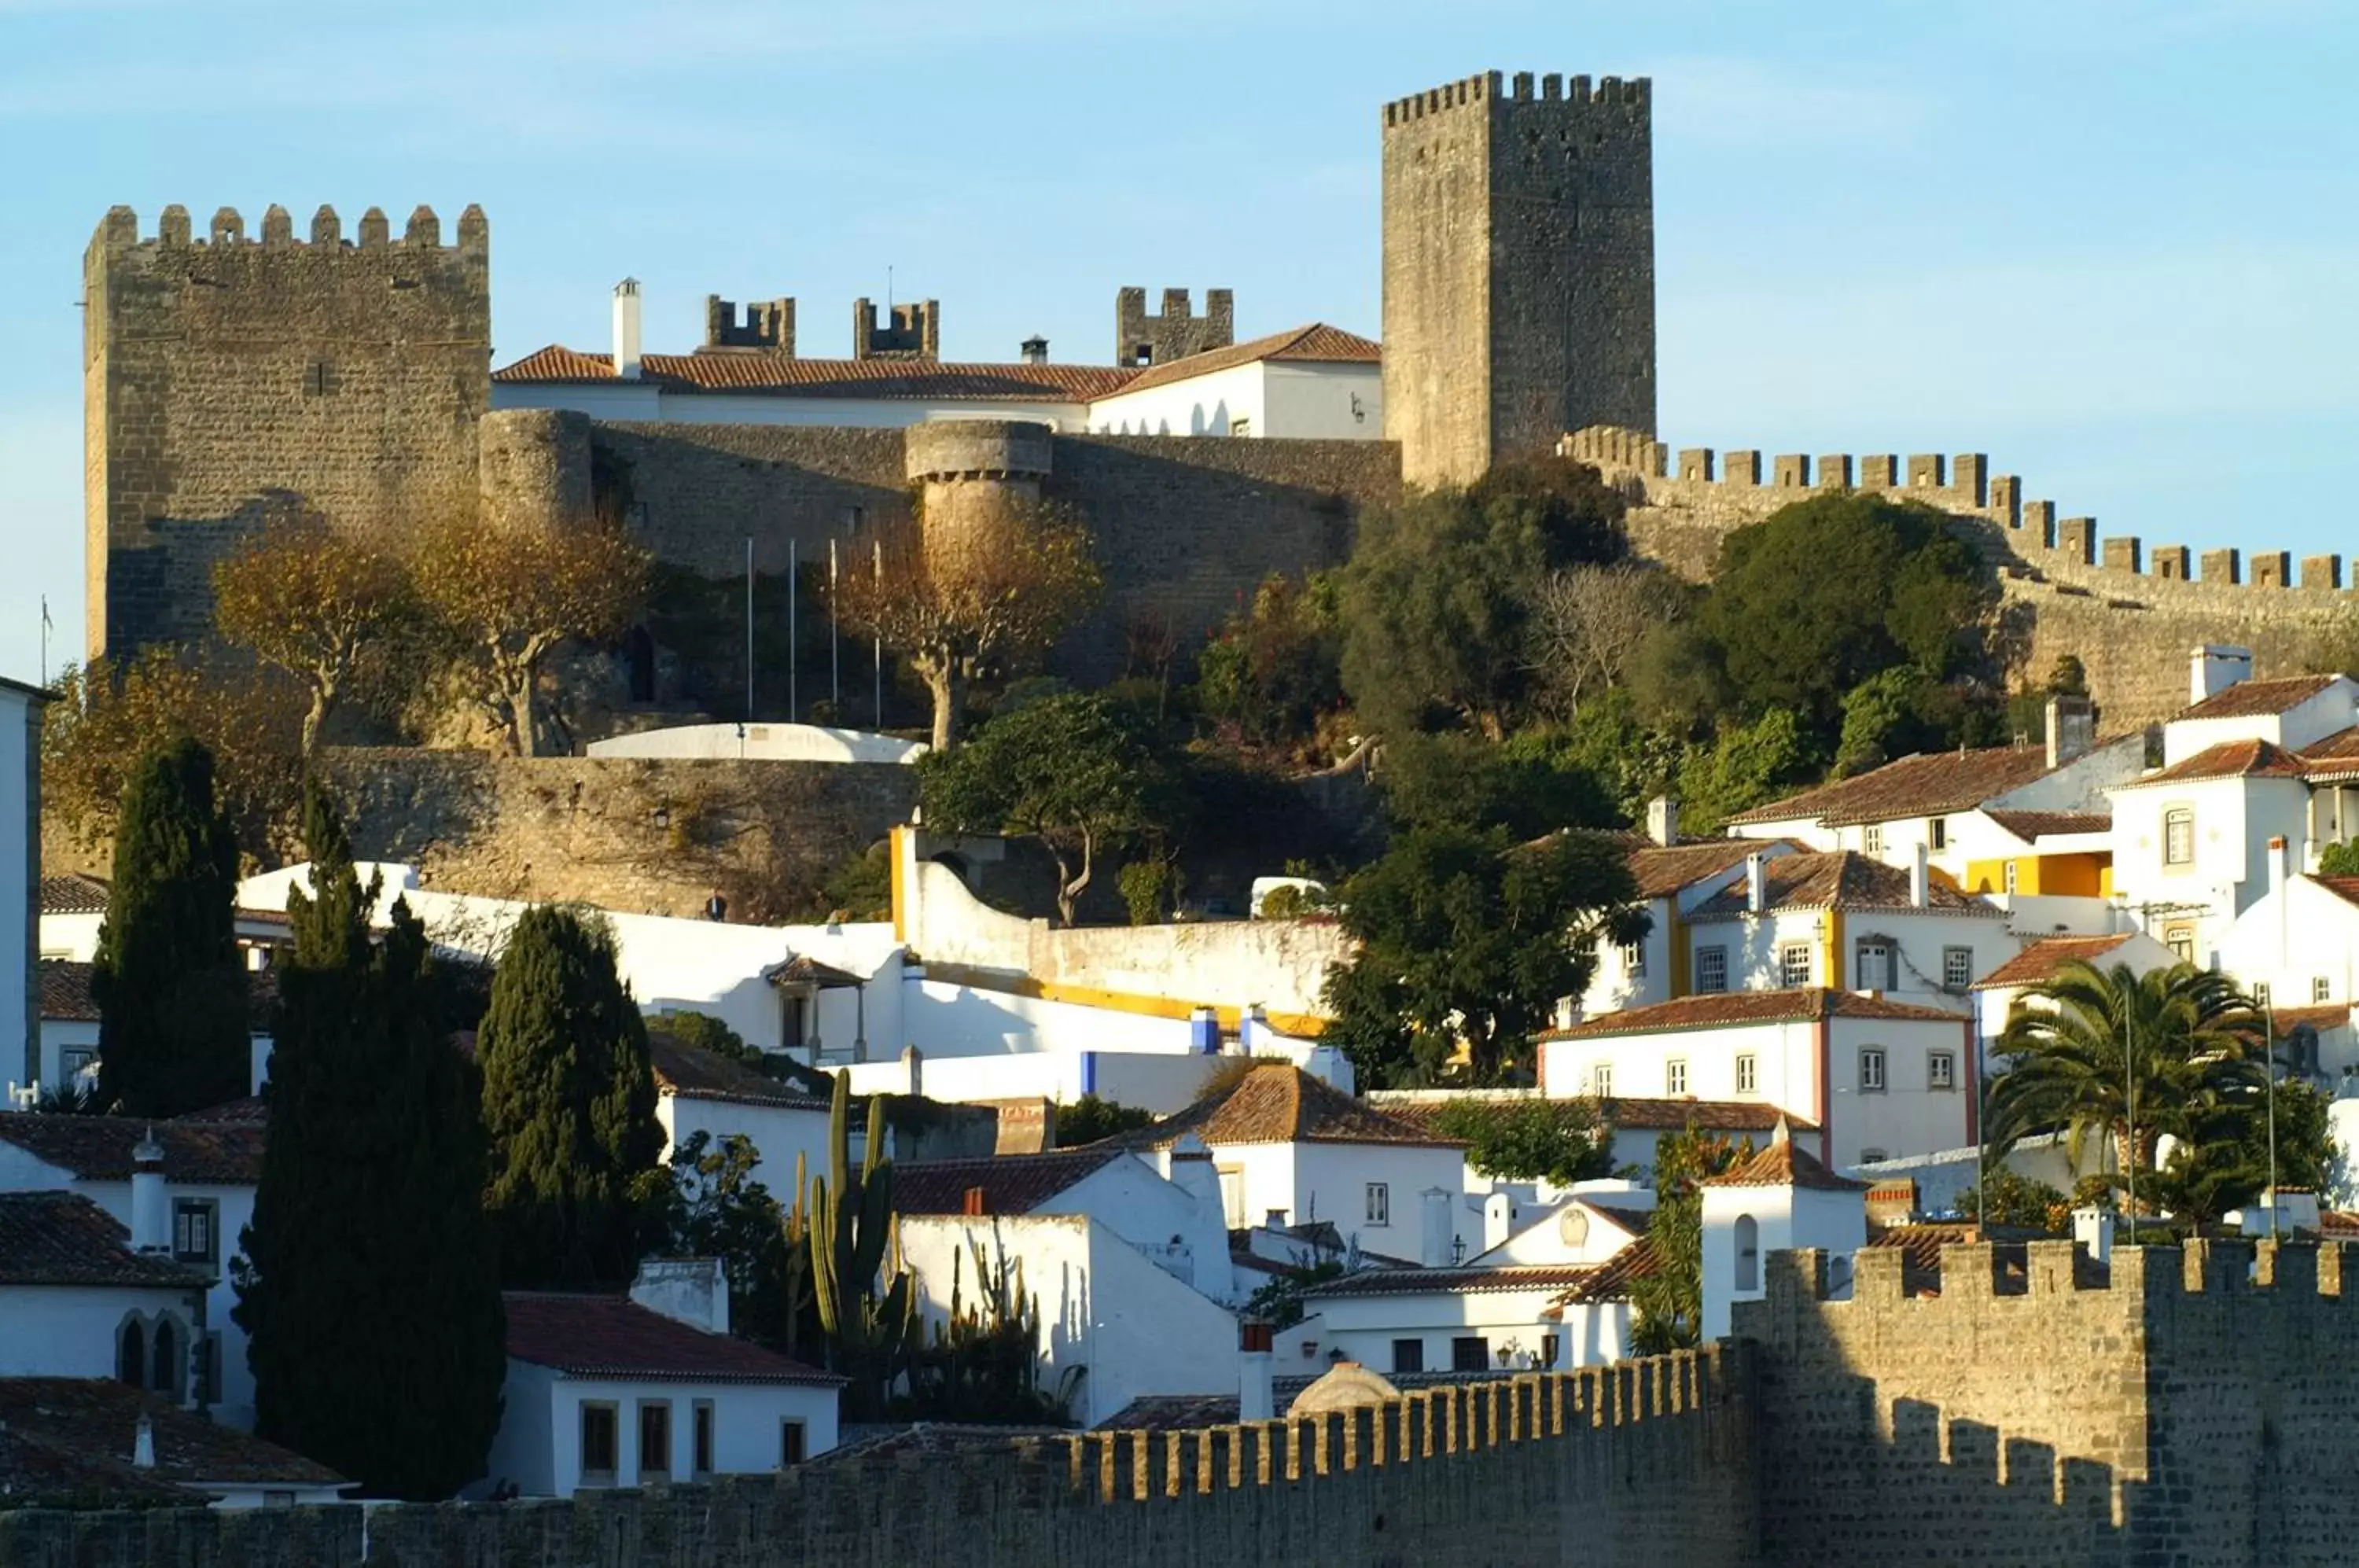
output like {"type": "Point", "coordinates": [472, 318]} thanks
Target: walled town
{"type": "Point", "coordinates": [1299, 948]}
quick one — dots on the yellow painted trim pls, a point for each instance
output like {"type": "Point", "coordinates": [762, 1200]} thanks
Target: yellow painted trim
{"type": "Point", "coordinates": [900, 888]}
{"type": "Point", "coordinates": [1682, 957]}
{"type": "Point", "coordinates": [1831, 971]}
{"type": "Point", "coordinates": [1301, 1026]}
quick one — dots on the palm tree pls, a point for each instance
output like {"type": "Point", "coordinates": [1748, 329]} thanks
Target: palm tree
{"type": "Point", "coordinates": [2175, 1046]}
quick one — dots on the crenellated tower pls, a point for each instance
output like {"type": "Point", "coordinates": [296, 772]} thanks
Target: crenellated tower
{"type": "Point", "coordinates": [230, 378]}
{"type": "Point", "coordinates": [1518, 267]}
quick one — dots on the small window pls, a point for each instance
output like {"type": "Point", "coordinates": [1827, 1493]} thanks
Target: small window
{"type": "Point", "coordinates": [598, 1437]}
{"type": "Point", "coordinates": [1409, 1355]}
{"type": "Point", "coordinates": [1470, 1352]}
{"type": "Point", "coordinates": [164, 1378]}
{"type": "Point", "coordinates": [1746, 1073]}
{"type": "Point", "coordinates": [1957, 968]}
{"type": "Point", "coordinates": [2260, 993]}
{"type": "Point", "coordinates": [131, 1354]}
{"type": "Point", "coordinates": [1748, 1253]}
{"type": "Point", "coordinates": [1601, 1081]}
{"type": "Point", "coordinates": [1380, 1203]}
{"type": "Point", "coordinates": [700, 1437]}
{"type": "Point", "coordinates": [2181, 940]}
{"type": "Point", "coordinates": [794, 1444]}
{"type": "Point", "coordinates": [655, 1440]}
{"type": "Point", "coordinates": [1871, 838]}
{"type": "Point", "coordinates": [1675, 1078]}
{"type": "Point", "coordinates": [1940, 1069]}
{"type": "Point", "coordinates": [2318, 989]}
{"type": "Point", "coordinates": [2179, 836]}
{"type": "Point", "coordinates": [1937, 832]}
{"type": "Point", "coordinates": [1711, 969]}
{"type": "Point", "coordinates": [1871, 1070]}
{"type": "Point", "coordinates": [208, 1369]}
{"type": "Point", "coordinates": [1634, 960]}
{"type": "Point", "coordinates": [1548, 1350]}
{"type": "Point", "coordinates": [75, 1061]}
{"type": "Point", "coordinates": [193, 1231]}
{"type": "Point", "coordinates": [1794, 965]}
{"type": "Point", "coordinates": [1874, 967]}
{"type": "Point", "coordinates": [1240, 427]}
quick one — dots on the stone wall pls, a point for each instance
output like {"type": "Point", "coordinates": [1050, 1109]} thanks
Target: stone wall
{"type": "Point", "coordinates": [229, 379]}
{"type": "Point", "coordinates": [2130, 614]}
{"type": "Point", "coordinates": [638, 835]}
{"type": "Point", "coordinates": [1642, 1463]}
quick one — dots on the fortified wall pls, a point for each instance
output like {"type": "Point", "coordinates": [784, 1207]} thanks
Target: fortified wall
{"type": "Point", "coordinates": [1639, 1465]}
{"type": "Point", "coordinates": [2129, 612]}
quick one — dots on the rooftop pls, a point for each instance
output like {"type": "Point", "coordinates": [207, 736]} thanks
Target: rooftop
{"type": "Point", "coordinates": [1010, 1183]}
{"type": "Point", "coordinates": [1315, 344]}
{"type": "Point", "coordinates": [1783, 1164]}
{"type": "Point", "coordinates": [1839, 879]}
{"type": "Point", "coordinates": [700, 1075]}
{"type": "Point", "coordinates": [197, 1151]}
{"type": "Point", "coordinates": [1720, 1008]}
{"type": "Point", "coordinates": [1924, 785]}
{"type": "Point", "coordinates": [2257, 699]}
{"type": "Point", "coordinates": [63, 1238]}
{"type": "Point", "coordinates": [1180, 1412]}
{"type": "Point", "coordinates": [1662, 871]}
{"type": "Point", "coordinates": [2042, 960]}
{"type": "Point", "coordinates": [74, 894]}
{"type": "Point", "coordinates": [1454, 1280]}
{"type": "Point", "coordinates": [1610, 1281]}
{"type": "Point", "coordinates": [758, 370]}
{"type": "Point", "coordinates": [1623, 1115]}
{"type": "Point", "coordinates": [2229, 759]}
{"type": "Point", "coordinates": [592, 1336]}
{"type": "Point", "coordinates": [1279, 1102]}
{"type": "Point", "coordinates": [87, 1426]}
{"type": "Point", "coordinates": [2033, 826]}
{"type": "Point", "coordinates": [65, 991]}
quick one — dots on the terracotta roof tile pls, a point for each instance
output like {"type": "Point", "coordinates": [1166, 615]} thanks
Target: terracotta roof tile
{"type": "Point", "coordinates": [2032, 826]}
{"type": "Point", "coordinates": [1662, 872]}
{"type": "Point", "coordinates": [63, 1238]}
{"type": "Point", "coordinates": [96, 1419]}
{"type": "Point", "coordinates": [75, 895]}
{"type": "Point", "coordinates": [1785, 1164]}
{"type": "Point", "coordinates": [762, 371]}
{"type": "Point", "coordinates": [1279, 1102]}
{"type": "Point", "coordinates": [700, 1075]}
{"type": "Point", "coordinates": [98, 1149]}
{"type": "Point", "coordinates": [1186, 1412]}
{"type": "Point", "coordinates": [1924, 785]}
{"type": "Point", "coordinates": [1720, 1008]}
{"type": "Point", "coordinates": [1317, 343]}
{"type": "Point", "coordinates": [2336, 756]}
{"type": "Point", "coordinates": [1011, 1183]}
{"type": "Point", "coordinates": [65, 991]}
{"type": "Point", "coordinates": [1610, 1281]}
{"type": "Point", "coordinates": [2042, 961]}
{"type": "Point", "coordinates": [1454, 1281]}
{"type": "Point", "coordinates": [612, 1336]}
{"type": "Point", "coordinates": [2343, 887]}
{"type": "Point", "coordinates": [1839, 879]}
{"type": "Point", "coordinates": [2229, 759]}
{"type": "Point", "coordinates": [1623, 1115]}
{"type": "Point", "coordinates": [2327, 1016]}
{"type": "Point", "coordinates": [2255, 699]}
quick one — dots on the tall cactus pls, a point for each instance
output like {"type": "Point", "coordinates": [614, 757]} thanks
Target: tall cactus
{"type": "Point", "coordinates": [867, 1302]}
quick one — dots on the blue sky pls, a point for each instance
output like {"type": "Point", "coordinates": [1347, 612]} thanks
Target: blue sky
{"type": "Point", "coordinates": [2112, 244]}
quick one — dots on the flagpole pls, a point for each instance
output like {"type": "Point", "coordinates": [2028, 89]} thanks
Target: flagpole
{"type": "Point", "coordinates": [878, 682]}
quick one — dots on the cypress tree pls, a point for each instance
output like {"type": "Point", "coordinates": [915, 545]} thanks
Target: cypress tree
{"type": "Point", "coordinates": [570, 1103]}
{"type": "Point", "coordinates": [367, 1285]}
{"type": "Point", "coordinates": [169, 982]}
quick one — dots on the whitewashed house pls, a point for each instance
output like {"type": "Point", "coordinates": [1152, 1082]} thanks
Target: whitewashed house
{"type": "Point", "coordinates": [81, 1296]}
{"type": "Point", "coordinates": [649, 1389]}
{"type": "Point", "coordinates": [1780, 1200]}
{"type": "Point", "coordinates": [67, 1438]}
{"type": "Point", "coordinates": [1998, 993]}
{"type": "Point", "coordinates": [1673, 881]}
{"type": "Point", "coordinates": [698, 1090]}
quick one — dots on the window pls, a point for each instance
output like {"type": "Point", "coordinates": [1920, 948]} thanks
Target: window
{"type": "Point", "coordinates": [1748, 1253]}
{"type": "Point", "coordinates": [1940, 1069]}
{"type": "Point", "coordinates": [131, 1354]}
{"type": "Point", "coordinates": [655, 1438]}
{"type": "Point", "coordinates": [165, 1375]}
{"type": "Point", "coordinates": [1874, 964]}
{"type": "Point", "coordinates": [209, 1378]}
{"type": "Point", "coordinates": [1409, 1355]}
{"type": "Point", "coordinates": [75, 1061]}
{"type": "Point", "coordinates": [193, 1231]}
{"type": "Point", "coordinates": [597, 1443]}
{"type": "Point", "coordinates": [1872, 1155]}
{"type": "Point", "coordinates": [794, 1022]}
{"type": "Point", "coordinates": [2318, 989]}
{"type": "Point", "coordinates": [1794, 965]}
{"type": "Point", "coordinates": [1601, 1081]}
{"type": "Point", "coordinates": [1675, 1078]}
{"type": "Point", "coordinates": [2260, 993]}
{"type": "Point", "coordinates": [1937, 832]}
{"type": "Point", "coordinates": [1711, 969]}
{"type": "Point", "coordinates": [794, 1444]}
{"type": "Point", "coordinates": [1957, 968]}
{"type": "Point", "coordinates": [1871, 838]}
{"type": "Point", "coordinates": [1745, 1074]}
{"type": "Point", "coordinates": [2010, 876]}
{"type": "Point", "coordinates": [2181, 940]}
{"type": "Point", "coordinates": [1240, 427]}
{"type": "Point", "coordinates": [1871, 1070]}
{"type": "Point", "coordinates": [2179, 836]}
{"type": "Point", "coordinates": [1380, 1203]}
{"type": "Point", "coordinates": [1548, 1350]}
{"type": "Point", "coordinates": [700, 1437]}
{"type": "Point", "coordinates": [1634, 960]}
{"type": "Point", "coordinates": [1470, 1352]}
{"type": "Point", "coordinates": [1233, 1197]}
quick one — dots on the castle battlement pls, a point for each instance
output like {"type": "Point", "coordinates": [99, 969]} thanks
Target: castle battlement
{"type": "Point", "coordinates": [2032, 1277]}
{"type": "Point", "coordinates": [1634, 95]}
{"type": "Point", "coordinates": [119, 231]}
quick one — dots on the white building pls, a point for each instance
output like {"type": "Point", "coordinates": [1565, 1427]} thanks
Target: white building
{"type": "Point", "coordinates": [649, 1389]}
{"type": "Point", "coordinates": [1313, 383]}
{"type": "Point", "coordinates": [1780, 1200]}
{"type": "Point", "coordinates": [2296, 951]}
{"type": "Point", "coordinates": [698, 1092]}
{"type": "Point", "coordinates": [81, 1297]}
{"type": "Point", "coordinates": [1998, 993]}
{"type": "Point", "coordinates": [20, 873]}
{"type": "Point", "coordinates": [1673, 879]}
{"type": "Point", "coordinates": [1876, 1077]}
{"type": "Point", "coordinates": [69, 1438]}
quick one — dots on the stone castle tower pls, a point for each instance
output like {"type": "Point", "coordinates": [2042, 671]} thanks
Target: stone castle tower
{"type": "Point", "coordinates": [1518, 268]}
{"type": "Point", "coordinates": [228, 379]}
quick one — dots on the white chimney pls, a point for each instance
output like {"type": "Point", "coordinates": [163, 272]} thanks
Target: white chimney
{"type": "Point", "coordinates": [2092, 1227]}
{"type": "Point", "coordinates": [143, 1443]}
{"type": "Point", "coordinates": [151, 1206]}
{"type": "Point", "coordinates": [2214, 667]}
{"type": "Point", "coordinates": [1186, 1164]}
{"type": "Point", "coordinates": [626, 328]}
{"type": "Point", "coordinates": [1433, 1244]}
{"type": "Point", "coordinates": [1255, 1402]}
{"type": "Point", "coordinates": [1921, 879]}
{"type": "Point", "coordinates": [2277, 869]}
{"type": "Point", "coordinates": [913, 1069]}
{"type": "Point", "coordinates": [1755, 897]}
{"type": "Point", "coordinates": [1663, 821]}
{"type": "Point", "coordinates": [693, 1290]}
{"type": "Point", "coordinates": [1498, 1219]}
{"type": "Point", "coordinates": [2072, 729]}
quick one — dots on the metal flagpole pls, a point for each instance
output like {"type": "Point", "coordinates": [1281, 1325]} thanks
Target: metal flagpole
{"type": "Point", "coordinates": [834, 643]}
{"type": "Point", "coordinates": [749, 628]}
{"type": "Point", "coordinates": [794, 692]}
{"type": "Point", "coordinates": [48, 625]}
{"type": "Point", "coordinates": [2269, 1062]}
{"type": "Point", "coordinates": [2129, 1069]}
{"type": "Point", "coordinates": [879, 681]}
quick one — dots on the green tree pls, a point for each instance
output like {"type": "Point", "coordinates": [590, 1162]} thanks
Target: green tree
{"type": "Point", "coordinates": [314, 602]}
{"type": "Point", "coordinates": [1070, 771]}
{"type": "Point", "coordinates": [1666, 1301]}
{"type": "Point", "coordinates": [2340, 859]}
{"type": "Point", "coordinates": [707, 1203]}
{"type": "Point", "coordinates": [2005, 1198]}
{"type": "Point", "coordinates": [2225, 1164]}
{"type": "Point", "coordinates": [1089, 1120]}
{"type": "Point", "coordinates": [1561, 1142]}
{"type": "Point", "coordinates": [1274, 670]}
{"type": "Point", "coordinates": [570, 1101]}
{"type": "Point", "coordinates": [2184, 1041]}
{"type": "Point", "coordinates": [705, 1032]}
{"type": "Point", "coordinates": [367, 1285]}
{"type": "Point", "coordinates": [173, 1034]}
{"type": "Point", "coordinates": [1746, 766]}
{"type": "Point", "coordinates": [1529, 785]}
{"type": "Point", "coordinates": [1466, 939]}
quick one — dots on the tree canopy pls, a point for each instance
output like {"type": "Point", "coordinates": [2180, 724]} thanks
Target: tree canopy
{"type": "Point", "coordinates": [1666, 1301]}
{"type": "Point", "coordinates": [1534, 1139]}
{"type": "Point", "coordinates": [313, 601]}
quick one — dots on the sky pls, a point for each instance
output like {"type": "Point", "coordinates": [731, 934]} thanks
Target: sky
{"type": "Point", "coordinates": [2113, 244]}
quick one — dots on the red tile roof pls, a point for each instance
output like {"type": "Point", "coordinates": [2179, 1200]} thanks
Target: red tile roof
{"type": "Point", "coordinates": [2042, 961]}
{"type": "Point", "coordinates": [1011, 1183]}
{"type": "Point", "coordinates": [1784, 1164]}
{"type": "Point", "coordinates": [1454, 1281]}
{"type": "Point", "coordinates": [1610, 1281]}
{"type": "Point", "coordinates": [1839, 879]}
{"type": "Point", "coordinates": [1924, 785]}
{"type": "Point", "coordinates": [2343, 887]}
{"type": "Point", "coordinates": [2255, 699]}
{"type": "Point", "coordinates": [762, 371]}
{"type": "Point", "coordinates": [1707, 1116]}
{"type": "Point", "coordinates": [2229, 759]}
{"type": "Point", "coordinates": [2032, 826]}
{"type": "Point", "coordinates": [1722, 1009]}
{"type": "Point", "coordinates": [65, 991]}
{"type": "Point", "coordinates": [98, 1149]}
{"type": "Point", "coordinates": [1317, 343]}
{"type": "Point", "coordinates": [63, 1238]}
{"type": "Point", "coordinates": [2330, 1015]}
{"type": "Point", "coordinates": [700, 1075]}
{"type": "Point", "coordinates": [587, 1336]}
{"type": "Point", "coordinates": [92, 1420]}
{"type": "Point", "coordinates": [1279, 1102]}
{"type": "Point", "coordinates": [1662, 872]}
{"type": "Point", "coordinates": [2336, 756]}
{"type": "Point", "coordinates": [75, 894]}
